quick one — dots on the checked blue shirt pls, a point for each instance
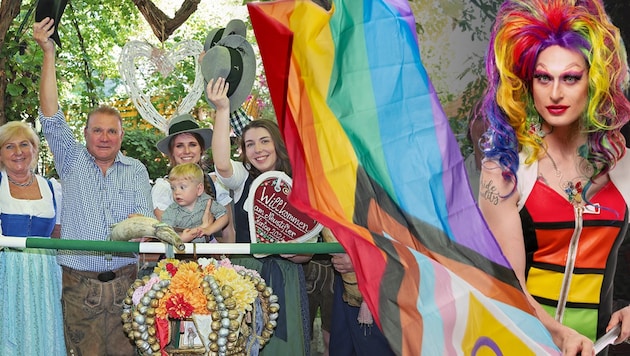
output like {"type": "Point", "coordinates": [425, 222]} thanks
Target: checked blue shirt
{"type": "Point", "coordinates": [92, 203]}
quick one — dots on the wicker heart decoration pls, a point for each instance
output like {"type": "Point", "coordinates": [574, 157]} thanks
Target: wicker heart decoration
{"type": "Point", "coordinates": [163, 62]}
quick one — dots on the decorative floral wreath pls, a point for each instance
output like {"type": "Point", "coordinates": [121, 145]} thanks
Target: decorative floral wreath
{"type": "Point", "coordinates": [239, 307]}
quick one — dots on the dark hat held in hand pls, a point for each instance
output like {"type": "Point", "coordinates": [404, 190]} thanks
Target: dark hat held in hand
{"type": "Point", "coordinates": [53, 9]}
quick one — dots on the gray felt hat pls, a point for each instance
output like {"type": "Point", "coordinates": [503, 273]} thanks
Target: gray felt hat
{"type": "Point", "coordinates": [184, 124]}
{"type": "Point", "coordinates": [231, 58]}
{"type": "Point", "coordinates": [234, 27]}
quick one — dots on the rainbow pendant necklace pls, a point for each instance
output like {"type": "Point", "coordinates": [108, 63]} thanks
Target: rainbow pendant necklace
{"type": "Point", "coordinates": [572, 190]}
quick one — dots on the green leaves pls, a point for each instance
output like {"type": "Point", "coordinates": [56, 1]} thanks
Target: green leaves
{"type": "Point", "coordinates": [15, 90]}
{"type": "Point", "coordinates": [140, 144]}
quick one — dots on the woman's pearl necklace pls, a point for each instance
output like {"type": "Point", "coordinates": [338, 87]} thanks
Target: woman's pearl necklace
{"type": "Point", "coordinates": [26, 184]}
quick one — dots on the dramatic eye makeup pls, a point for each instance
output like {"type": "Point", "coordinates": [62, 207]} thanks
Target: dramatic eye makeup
{"type": "Point", "coordinates": [569, 77]}
{"type": "Point", "coordinates": [572, 77]}
{"type": "Point", "coordinates": [542, 76]}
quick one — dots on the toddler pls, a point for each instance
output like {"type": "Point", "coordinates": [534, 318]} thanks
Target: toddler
{"type": "Point", "coordinates": [193, 213]}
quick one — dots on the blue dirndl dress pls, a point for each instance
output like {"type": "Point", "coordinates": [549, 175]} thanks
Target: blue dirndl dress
{"type": "Point", "coordinates": [31, 321]}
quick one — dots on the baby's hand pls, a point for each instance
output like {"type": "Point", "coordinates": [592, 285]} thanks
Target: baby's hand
{"type": "Point", "coordinates": [217, 93]}
{"type": "Point", "coordinates": [197, 231]}
{"type": "Point", "coordinates": [189, 234]}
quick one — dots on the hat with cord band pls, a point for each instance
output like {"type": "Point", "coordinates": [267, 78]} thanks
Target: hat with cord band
{"type": "Point", "coordinates": [234, 27]}
{"type": "Point", "coordinates": [185, 123]}
{"type": "Point", "coordinates": [231, 58]}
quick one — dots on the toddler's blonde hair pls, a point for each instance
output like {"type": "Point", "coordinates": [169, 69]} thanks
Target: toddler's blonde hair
{"type": "Point", "coordinates": [187, 171]}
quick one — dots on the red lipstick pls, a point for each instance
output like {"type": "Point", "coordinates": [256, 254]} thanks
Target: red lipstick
{"type": "Point", "coordinates": [557, 109]}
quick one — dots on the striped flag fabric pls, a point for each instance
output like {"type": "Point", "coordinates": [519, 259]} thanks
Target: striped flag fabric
{"type": "Point", "coordinates": [374, 160]}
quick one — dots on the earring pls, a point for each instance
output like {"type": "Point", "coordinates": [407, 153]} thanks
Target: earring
{"type": "Point", "coordinates": [537, 130]}
{"type": "Point", "coordinates": [248, 166]}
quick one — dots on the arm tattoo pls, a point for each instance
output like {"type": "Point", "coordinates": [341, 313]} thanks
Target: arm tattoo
{"type": "Point", "coordinates": [489, 192]}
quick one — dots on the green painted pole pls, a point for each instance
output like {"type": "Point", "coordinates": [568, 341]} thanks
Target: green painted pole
{"type": "Point", "coordinates": [138, 247]}
{"type": "Point", "coordinates": [84, 245]}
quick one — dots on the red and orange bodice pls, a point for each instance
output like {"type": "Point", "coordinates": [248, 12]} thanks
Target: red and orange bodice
{"type": "Point", "coordinates": [572, 254]}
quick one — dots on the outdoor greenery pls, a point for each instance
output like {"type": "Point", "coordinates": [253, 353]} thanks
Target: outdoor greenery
{"type": "Point", "coordinates": [92, 36]}
{"type": "Point", "coordinates": [90, 31]}
{"type": "Point", "coordinates": [140, 144]}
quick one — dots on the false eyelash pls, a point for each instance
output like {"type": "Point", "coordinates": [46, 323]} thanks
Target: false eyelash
{"type": "Point", "coordinates": [575, 77]}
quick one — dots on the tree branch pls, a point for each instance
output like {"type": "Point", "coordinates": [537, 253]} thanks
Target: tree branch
{"type": "Point", "coordinates": [161, 25]}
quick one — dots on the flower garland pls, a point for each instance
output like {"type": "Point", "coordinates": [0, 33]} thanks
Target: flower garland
{"type": "Point", "coordinates": [178, 290]}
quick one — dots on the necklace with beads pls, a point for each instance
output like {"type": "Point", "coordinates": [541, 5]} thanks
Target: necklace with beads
{"type": "Point", "coordinates": [25, 184]}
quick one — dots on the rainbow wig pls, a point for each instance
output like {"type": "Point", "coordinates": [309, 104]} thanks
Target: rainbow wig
{"type": "Point", "coordinates": [523, 29]}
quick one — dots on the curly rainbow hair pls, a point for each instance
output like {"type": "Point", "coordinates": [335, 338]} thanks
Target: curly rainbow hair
{"type": "Point", "coordinates": [522, 30]}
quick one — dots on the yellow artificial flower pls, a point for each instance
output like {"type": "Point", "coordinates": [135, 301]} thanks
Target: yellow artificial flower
{"type": "Point", "coordinates": [244, 291]}
{"type": "Point", "coordinates": [166, 268]}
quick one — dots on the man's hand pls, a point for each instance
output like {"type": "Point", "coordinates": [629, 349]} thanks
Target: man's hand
{"type": "Point", "coordinates": [42, 31]}
{"type": "Point", "coordinates": [341, 262]}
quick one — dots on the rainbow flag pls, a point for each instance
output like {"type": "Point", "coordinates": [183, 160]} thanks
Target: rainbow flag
{"type": "Point", "coordinates": [374, 160]}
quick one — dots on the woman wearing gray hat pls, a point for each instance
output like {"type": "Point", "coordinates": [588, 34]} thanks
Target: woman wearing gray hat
{"type": "Point", "coordinates": [185, 143]}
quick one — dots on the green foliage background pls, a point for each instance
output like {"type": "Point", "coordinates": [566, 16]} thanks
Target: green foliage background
{"type": "Point", "coordinates": [92, 34]}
